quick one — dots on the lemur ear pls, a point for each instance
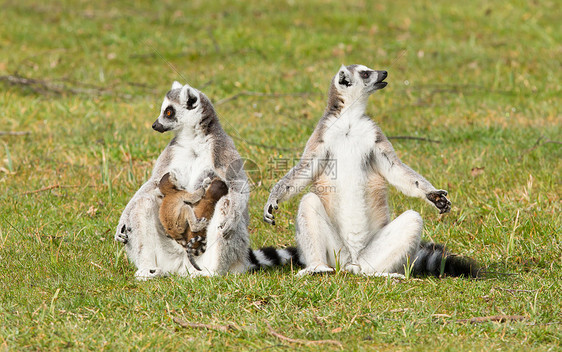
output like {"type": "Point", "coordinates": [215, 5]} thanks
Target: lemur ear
{"type": "Point", "coordinates": [176, 85]}
{"type": "Point", "coordinates": [344, 77]}
{"type": "Point", "coordinates": [189, 97]}
{"type": "Point", "coordinates": [173, 177]}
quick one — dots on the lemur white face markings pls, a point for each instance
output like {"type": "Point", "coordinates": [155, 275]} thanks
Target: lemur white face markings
{"type": "Point", "coordinates": [345, 217]}
{"type": "Point", "coordinates": [200, 148]}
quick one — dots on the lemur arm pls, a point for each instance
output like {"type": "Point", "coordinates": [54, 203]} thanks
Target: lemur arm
{"type": "Point", "coordinates": [188, 215]}
{"type": "Point", "coordinates": [238, 194]}
{"type": "Point", "coordinates": [192, 198]}
{"type": "Point", "coordinates": [300, 176]}
{"type": "Point", "coordinates": [404, 178]}
{"type": "Point", "coordinates": [195, 224]}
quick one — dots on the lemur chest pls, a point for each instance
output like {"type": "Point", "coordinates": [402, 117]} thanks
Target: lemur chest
{"type": "Point", "coordinates": [192, 160]}
{"type": "Point", "coordinates": [348, 147]}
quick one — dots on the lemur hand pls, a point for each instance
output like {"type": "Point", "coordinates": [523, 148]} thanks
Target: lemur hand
{"type": "Point", "coordinates": [439, 200]}
{"type": "Point", "coordinates": [229, 218]}
{"type": "Point", "coordinates": [206, 182]}
{"type": "Point", "coordinates": [200, 225]}
{"type": "Point", "coordinates": [268, 211]}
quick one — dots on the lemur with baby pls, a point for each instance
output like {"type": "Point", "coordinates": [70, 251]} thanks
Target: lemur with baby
{"type": "Point", "coordinates": [200, 147]}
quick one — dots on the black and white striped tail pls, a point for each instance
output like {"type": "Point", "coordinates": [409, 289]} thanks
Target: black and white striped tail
{"type": "Point", "coordinates": [268, 257]}
{"type": "Point", "coordinates": [433, 259]}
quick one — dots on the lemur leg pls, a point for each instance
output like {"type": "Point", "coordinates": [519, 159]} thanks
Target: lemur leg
{"type": "Point", "coordinates": [224, 253]}
{"type": "Point", "coordinates": [388, 250]}
{"type": "Point", "coordinates": [141, 246]}
{"type": "Point", "coordinates": [316, 239]}
{"type": "Point", "coordinates": [195, 224]}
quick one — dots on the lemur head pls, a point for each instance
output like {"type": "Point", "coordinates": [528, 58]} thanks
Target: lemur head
{"type": "Point", "coordinates": [182, 106]}
{"type": "Point", "coordinates": [354, 82]}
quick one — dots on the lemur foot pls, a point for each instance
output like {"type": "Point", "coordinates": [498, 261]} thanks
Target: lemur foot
{"type": "Point", "coordinates": [316, 269]}
{"type": "Point", "coordinates": [439, 199]}
{"type": "Point", "coordinates": [123, 234]}
{"type": "Point", "coordinates": [355, 269]}
{"type": "Point", "coordinates": [390, 275]}
{"type": "Point", "coordinates": [204, 273]}
{"type": "Point", "coordinates": [148, 273]}
{"type": "Point", "coordinates": [199, 225]}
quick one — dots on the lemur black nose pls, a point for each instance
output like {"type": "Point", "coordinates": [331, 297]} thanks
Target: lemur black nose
{"type": "Point", "coordinates": [381, 75]}
{"type": "Point", "coordinates": [158, 127]}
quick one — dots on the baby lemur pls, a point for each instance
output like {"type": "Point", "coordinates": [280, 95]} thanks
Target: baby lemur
{"type": "Point", "coordinates": [185, 215]}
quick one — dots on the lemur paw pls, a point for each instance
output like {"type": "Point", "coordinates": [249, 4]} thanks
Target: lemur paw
{"type": "Point", "coordinates": [148, 273]}
{"type": "Point", "coordinates": [439, 199]}
{"type": "Point", "coordinates": [123, 234]}
{"type": "Point", "coordinates": [204, 273]}
{"type": "Point", "coordinates": [390, 275]}
{"type": "Point", "coordinates": [352, 268]}
{"type": "Point", "coordinates": [268, 211]}
{"type": "Point", "coordinates": [227, 225]}
{"type": "Point", "coordinates": [200, 225]}
{"type": "Point", "coordinates": [206, 182]}
{"type": "Point", "coordinates": [316, 270]}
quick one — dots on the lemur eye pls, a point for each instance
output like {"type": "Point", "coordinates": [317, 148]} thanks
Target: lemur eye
{"type": "Point", "coordinates": [365, 74]}
{"type": "Point", "coordinates": [169, 112]}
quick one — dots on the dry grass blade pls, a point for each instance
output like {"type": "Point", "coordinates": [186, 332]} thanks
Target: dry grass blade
{"type": "Point", "coordinates": [414, 138]}
{"type": "Point", "coordinates": [42, 189]}
{"type": "Point", "coordinates": [300, 341]}
{"type": "Point", "coordinates": [540, 141]}
{"type": "Point", "coordinates": [185, 324]}
{"type": "Point", "coordinates": [14, 133]}
{"type": "Point", "coordinates": [48, 188]}
{"type": "Point", "coordinates": [493, 318]}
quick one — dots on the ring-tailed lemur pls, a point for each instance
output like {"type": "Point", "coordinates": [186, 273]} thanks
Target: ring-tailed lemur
{"type": "Point", "coordinates": [345, 217]}
{"type": "Point", "coordinates": [199, 148]}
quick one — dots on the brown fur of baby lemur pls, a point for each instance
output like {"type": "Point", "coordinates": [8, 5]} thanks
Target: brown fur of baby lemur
{"type": "Point", "coordinates": [185, 215]}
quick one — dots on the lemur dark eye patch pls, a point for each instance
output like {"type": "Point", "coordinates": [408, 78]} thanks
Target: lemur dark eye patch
{"type": "Point", "coordinates": [365, 74]}
{"type": "Point", "coordinates": [169, 112]}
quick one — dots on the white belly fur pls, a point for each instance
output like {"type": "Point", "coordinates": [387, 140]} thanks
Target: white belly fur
{"type": "Point", "coordinates": [349, 145]}
{"type": "Point", "coordinates": [191, 161]}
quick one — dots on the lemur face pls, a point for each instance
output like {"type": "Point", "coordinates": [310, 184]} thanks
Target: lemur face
{"type": "Point", "coordinates": [181, 107]}
{"type": "Point", "coordinates": [355, 81]}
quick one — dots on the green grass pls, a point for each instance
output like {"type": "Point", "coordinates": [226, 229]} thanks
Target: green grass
{"type": "Point", "coordinates": [482, 78]}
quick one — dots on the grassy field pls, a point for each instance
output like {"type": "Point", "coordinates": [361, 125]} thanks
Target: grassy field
{"type": "Point", "coordinates": [81, 83]}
